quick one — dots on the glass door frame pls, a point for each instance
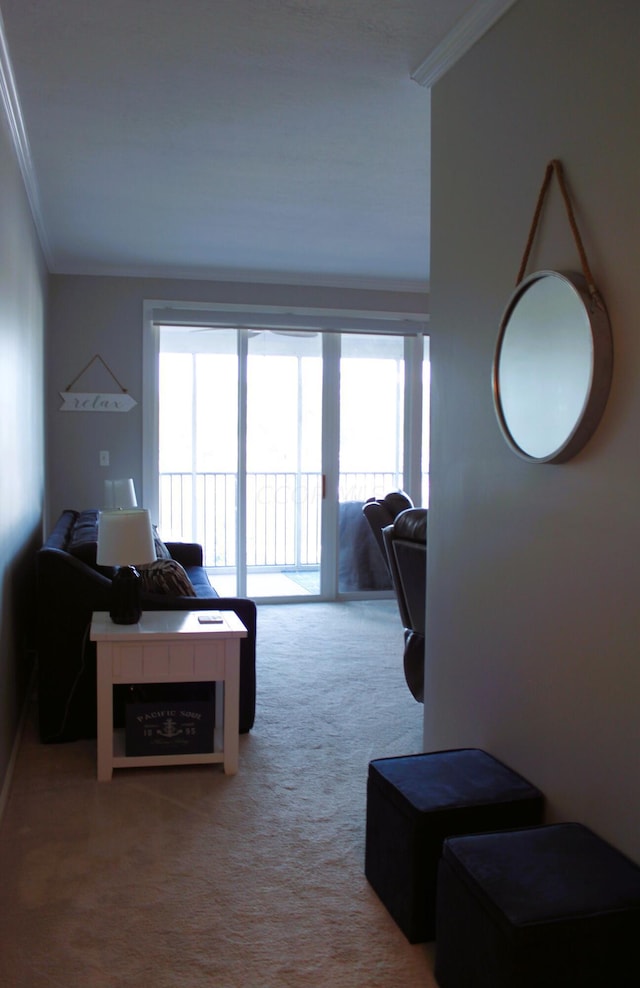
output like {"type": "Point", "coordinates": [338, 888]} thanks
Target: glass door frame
{"type": "Point", "coordinates": [330, 467]}
{"type": "Point", "coordinates": [158, 313]}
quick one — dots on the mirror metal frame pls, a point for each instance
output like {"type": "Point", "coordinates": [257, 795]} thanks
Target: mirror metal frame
{"type": "Point", "coordinates": [599, 384]}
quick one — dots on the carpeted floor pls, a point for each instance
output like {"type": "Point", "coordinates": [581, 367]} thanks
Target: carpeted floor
{"type": "Point", "coordinates": [184, 877]}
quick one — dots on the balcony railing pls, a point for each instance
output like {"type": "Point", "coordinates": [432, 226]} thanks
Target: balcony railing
{"type": "Point", "coordinates": [283, 513]}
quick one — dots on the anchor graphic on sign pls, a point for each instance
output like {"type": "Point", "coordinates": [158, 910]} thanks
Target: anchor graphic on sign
{"type": "Point", "coordinates": [169, 729]}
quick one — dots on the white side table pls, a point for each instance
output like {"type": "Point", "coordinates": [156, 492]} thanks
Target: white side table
{"type": "Point", "coordinates": [168, 647]}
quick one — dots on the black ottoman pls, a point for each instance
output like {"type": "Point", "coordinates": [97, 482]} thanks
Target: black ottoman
{"type": "Point", "coordinates": [414, 802]}
{"type": "Point", "coordinates": [544, 907]}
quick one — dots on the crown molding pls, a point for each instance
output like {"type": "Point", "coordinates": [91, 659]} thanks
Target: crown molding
{"type": "Point", "coordinates": [246, 276]}
{"type": "Point", "coordinates": [469, 29]}
{"type": "Point", "coordinates": [18, 133]}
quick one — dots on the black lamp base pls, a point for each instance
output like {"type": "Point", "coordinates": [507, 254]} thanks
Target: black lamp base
{"type": "Point", "coordinates": [125, 596]}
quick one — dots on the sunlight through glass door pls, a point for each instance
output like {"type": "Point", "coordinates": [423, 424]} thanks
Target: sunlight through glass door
{"type": "Point", "coordinates": [283, 463]}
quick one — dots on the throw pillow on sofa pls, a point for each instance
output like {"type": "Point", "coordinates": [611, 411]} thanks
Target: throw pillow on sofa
{"type": "Point", "coordinates": [161, 550]}
{"type": "Point", "coordinates": [166, 576]}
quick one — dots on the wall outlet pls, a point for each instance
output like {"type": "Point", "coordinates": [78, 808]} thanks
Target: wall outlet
{"type": "Point", "coordinates": [104, 457]}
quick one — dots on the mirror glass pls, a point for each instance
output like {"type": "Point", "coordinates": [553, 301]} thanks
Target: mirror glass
{"type": "Point", "coordinates": [545, 367]}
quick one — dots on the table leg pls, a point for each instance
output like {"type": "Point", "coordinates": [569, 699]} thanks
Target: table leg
{"type": "Point", "coordinates": [231, 706]}
{"type": "Point", "coordinates": [105, 713]}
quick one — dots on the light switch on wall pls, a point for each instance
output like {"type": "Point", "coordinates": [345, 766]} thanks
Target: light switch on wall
{"type": "Point", "coordinates": [104, 457]}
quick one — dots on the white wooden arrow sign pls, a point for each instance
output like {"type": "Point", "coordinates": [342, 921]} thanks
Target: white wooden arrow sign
{"type": "Point", "coordinates": [95, 401]}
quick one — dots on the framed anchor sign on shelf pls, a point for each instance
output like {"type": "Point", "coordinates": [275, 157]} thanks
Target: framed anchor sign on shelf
{"type": "Point", "coordinates": [96, 401]}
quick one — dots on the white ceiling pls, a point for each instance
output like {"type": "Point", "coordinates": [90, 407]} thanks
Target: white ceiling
{"type": "Point", "coordinates": [264, 140]}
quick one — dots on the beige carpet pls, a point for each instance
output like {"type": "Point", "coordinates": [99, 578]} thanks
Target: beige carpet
{"type": "Point", "coordinates": [185, 877]}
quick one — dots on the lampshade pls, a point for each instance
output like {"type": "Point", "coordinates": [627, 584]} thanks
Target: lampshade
{"type": "Point", "coordinates": [119, 494]}
{"type": "Point", "coordinates": [125, 538]}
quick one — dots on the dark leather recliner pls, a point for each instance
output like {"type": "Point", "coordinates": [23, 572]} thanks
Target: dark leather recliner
{"type": "Point", "coordinates": [381, 512]}
{"type": "Point", "coordinates": [406, 548]}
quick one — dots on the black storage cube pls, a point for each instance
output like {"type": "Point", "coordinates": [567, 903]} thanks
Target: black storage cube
{"type": "Point", "coordinates": [553, 906]}
{"type": "Point", "coordinates": [414, 802]}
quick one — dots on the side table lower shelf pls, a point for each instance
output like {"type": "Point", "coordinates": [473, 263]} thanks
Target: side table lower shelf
{"type": "Point", "coordinates": [122, 760]}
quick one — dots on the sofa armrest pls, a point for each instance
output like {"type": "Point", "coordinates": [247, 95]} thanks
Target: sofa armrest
{"type": "Point", "coordinates": [68, 592]}
{"type": "Point", "coordinates": [186, 553]}
{"type": "Point", "coordinates": [244, 607]}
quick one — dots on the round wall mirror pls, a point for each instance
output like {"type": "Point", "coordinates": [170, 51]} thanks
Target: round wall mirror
{"type": "Point", "coordinates": [552, 367]}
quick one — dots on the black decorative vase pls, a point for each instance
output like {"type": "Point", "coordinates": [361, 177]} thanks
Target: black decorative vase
{"type": "Point", "coordinates": [125, 596]}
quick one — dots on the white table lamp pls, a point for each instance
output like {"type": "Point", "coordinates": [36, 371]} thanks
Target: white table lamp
{"type": "Point", "coordinates": [125, 540]}
{"type": "Point", "coordinates": [120, 494]}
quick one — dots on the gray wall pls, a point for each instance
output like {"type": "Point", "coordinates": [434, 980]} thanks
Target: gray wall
{"type": "Point", "coordinates": [103, 315]}
{"type": "Point", "coordinates": [22, 302]}
{"type": "Point", "coordinates": [533, 630]}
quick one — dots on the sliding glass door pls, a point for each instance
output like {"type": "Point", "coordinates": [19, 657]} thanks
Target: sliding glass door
{"type": "Point", "coordinates": [370, 450]}
{"type": "Point", "coordinates": [283, 536]}
{"type": "Point", "coordinates": [197, 442]}
{"type": "Point", "coordinates": [270, 441]}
